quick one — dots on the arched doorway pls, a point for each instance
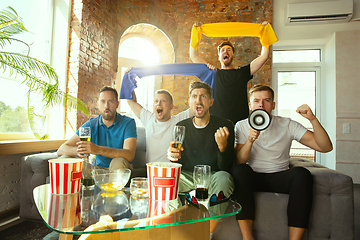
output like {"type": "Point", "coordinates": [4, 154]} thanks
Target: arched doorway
{"type": "Point", "coordinates": [143, 45]}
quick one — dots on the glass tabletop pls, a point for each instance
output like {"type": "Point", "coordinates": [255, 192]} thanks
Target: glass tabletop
{"type": "Point", "coordinates": [100, 212]}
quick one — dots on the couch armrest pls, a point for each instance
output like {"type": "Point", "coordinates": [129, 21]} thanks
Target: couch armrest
{"type": "Point", "coordinates": [34, 171]}
{"type": "Point", "coordinates": [333, 201]}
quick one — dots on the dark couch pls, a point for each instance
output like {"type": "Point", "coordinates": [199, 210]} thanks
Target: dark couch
{"type": "Point", "coordinates": [35, 172]}
{"type": "Point", "coordinates": [332, 215]}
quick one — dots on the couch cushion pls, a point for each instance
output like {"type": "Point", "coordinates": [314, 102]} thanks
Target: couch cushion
{"type": "Point", "coordinates": [34, 171]}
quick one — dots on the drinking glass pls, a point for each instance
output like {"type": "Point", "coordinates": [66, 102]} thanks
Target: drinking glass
{"type": "Point", "coordinates": [87, 177]}
{"type": "Point", "coordinates": [178, 137]}
{"type": "Point", "coordinates": [139, 187]}
{"type": "Point", "coordinates": [202, 176]}
{"type": "Point", "coordinates": [85, 134]}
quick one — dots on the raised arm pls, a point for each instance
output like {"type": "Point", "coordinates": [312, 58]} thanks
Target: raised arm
{"type": "Point", "coordinates": [242, 151]}
{"type": "Point", "coordinates": [224, 138]}
{"type": "Point", "coordinates": [135, 106]}
{"type": "Point", "coordinates": [194, 54]}
{"type": "Point", "coordinates": [318, 139]}
{"type": "Point", "coordinates": [258, 62]}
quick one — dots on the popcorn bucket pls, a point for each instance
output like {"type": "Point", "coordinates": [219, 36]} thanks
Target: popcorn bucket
{"type": "Point", "coordinates": [163, 180]}
{"type": "Point", "coordinates": [160, 211]}
{"type": "Point", "coordinates": [64, 211]}
{"type": "Point", "coordinates": [65, 175]}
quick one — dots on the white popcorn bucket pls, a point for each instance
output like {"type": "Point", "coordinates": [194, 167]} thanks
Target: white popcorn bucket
{"type": "Point", "coordinates": [65, 175]}
{"type": "Point", "coordinates": [64, 211]}
{"type": "Point", "coordinates": [163, 180]}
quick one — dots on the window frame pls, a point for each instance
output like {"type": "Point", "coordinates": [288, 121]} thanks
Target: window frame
{"type": "Point", "coordinates": [300, 67]}
{"type": "Point", "coordinates": [59, 25]}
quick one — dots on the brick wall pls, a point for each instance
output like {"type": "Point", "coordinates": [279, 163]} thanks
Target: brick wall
{"type": "Point", "coordinates": [97, 27]}
{"type": "Point", "coordinates": [10, 182]}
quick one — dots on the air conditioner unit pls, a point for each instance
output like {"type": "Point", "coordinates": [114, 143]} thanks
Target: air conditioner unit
{"type": "Point", "coordinates": [319, 12]}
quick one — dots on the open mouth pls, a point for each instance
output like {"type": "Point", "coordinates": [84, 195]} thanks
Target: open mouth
{"type": "Point", "coordinates": [159, 111]}
{"type": "Point", "coordinates": [199, 109]}
{"type": "Point", "coordinates": [225, 58]}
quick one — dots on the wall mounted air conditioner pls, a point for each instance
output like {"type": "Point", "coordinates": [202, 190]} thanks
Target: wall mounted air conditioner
{"type": "Point", "coordinates": [319, 12]}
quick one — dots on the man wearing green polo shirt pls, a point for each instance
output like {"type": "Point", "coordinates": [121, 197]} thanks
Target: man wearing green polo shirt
{"type": "Point", "coordinates": [113, 136]}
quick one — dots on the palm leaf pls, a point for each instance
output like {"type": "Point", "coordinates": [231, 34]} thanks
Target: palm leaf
{"type": "Point", "coordinates": [27, 63]}
{"type": "Point", "coordinates": [10, 24]}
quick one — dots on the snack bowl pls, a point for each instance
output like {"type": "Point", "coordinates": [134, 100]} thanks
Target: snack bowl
{"type": "Point", "coordinates": [111, 180]}
{"type": "Point", "coordinates": [115, 204]}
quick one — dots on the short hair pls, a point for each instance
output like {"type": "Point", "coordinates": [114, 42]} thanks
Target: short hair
{"type": "Point", "coordinates": [166, 92]}
{"type": "Point", "coordinates": [195, 85]}
{"type": "Point", "coordinates": [107, 88]}
{"type": "Point", "coordinates": [226, 43]}
{"type": "Point", "coordinates": [261, 87]}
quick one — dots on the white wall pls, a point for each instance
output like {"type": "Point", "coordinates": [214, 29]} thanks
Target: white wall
{"type": "Point", "coordinates": [347, 45]}
{"type": "Point", "coordinates": [328, 100]}
{"type": "Point", "coordinates": [307, 34]}
{"type": "Point", "coordinates": [325, 37]}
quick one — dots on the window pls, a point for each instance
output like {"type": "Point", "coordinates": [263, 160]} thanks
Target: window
{"type": "Point", "coordinates": [42, 19]}
{"type": "Point", "coordinates": [296, 75]}
{"type": "Point", "coordinates": [137, 51]}
{"type": "Point", "coordinates": [296, 56]}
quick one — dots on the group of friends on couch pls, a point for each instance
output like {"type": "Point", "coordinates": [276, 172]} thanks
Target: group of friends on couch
{"type": "Point", "coordinates": [242, 159]}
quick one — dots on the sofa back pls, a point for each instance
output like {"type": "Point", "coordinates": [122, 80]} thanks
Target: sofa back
{"type": "Point", "coordinates": [140, 154]}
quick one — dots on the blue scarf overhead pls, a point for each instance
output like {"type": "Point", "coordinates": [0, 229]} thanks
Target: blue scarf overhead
{"type": "Point", "coordinates": [199, 70]}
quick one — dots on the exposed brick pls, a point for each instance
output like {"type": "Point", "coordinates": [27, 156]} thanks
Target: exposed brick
{"type": "Point", "coordinates": [99, 25]}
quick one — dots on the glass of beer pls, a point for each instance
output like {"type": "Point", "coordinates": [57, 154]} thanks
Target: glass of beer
{"type": "Point", "coordinates": [202, 176]}
{"type": "Point", "coordinates": [178, 137]}
{"type": "Point", "coordinates": [87, 177]}
{"type": "Point", "coordinates": [85, 134]}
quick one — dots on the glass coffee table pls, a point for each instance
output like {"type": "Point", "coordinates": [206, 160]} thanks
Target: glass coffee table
{"type": "Point", "coordinates": [121, 216]}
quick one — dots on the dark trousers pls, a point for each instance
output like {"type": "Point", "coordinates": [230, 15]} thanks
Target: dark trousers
{"type": "Point", "coordinates": [297, 182]}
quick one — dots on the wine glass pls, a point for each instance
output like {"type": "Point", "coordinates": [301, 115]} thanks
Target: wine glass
{"type": "Point", "coordinates": [202, 177]}
{"type": "Point", "coordinates": [178, 137]}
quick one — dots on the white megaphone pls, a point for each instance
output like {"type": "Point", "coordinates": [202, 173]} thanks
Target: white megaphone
{"type": "Point", "coordinates": [259, 119]}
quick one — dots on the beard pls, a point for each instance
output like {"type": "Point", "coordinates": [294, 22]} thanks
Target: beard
{"type": "Point", "coordinates": [108, 116]}
{"type": "Point", "coordinates": [201, 115]}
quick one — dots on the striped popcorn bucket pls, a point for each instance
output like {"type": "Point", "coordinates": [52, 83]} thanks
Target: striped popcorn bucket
{"type": "Point", "coordinates": [160, 211]}
{"type": "Point", "coordinates": [64, 211]}
{"type": "Point", "coordinates": [163, 180]}
{"type": "Point", "coordinates": [65, 175]}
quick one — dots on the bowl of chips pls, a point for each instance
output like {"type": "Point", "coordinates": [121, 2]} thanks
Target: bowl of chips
{"type": "Point", "coordinates": [110, 181]}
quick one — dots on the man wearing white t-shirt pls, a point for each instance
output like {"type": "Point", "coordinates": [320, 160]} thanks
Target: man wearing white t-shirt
{"type": "Point", "coordinates": [263, 162]}
{"type": "Point", "coordinates": [159, 124]}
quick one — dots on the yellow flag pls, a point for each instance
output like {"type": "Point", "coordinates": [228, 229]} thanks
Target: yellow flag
{"type": "Point", "coordinates": [234, 29]}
